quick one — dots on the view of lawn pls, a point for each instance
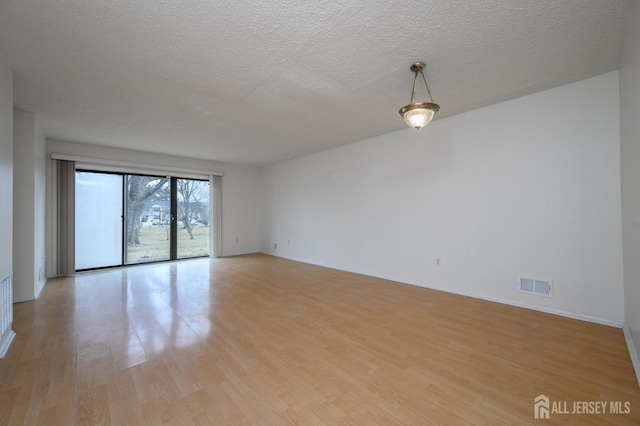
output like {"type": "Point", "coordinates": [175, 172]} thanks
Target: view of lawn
{"type": "Point", "coordinates": [155, 244]}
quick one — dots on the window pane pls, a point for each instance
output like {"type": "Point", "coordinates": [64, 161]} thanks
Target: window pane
{"type": "Point", "coordinates": [193, 218]}
{"type": "Point", "coordinates": [98, 220]}
{"type": "Point", "coordinates": [148, 218]}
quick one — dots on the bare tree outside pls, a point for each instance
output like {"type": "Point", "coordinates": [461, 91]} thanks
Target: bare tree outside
{"type": "Point", "coordinates": [190, 206]}
{"type": "Point", "coordinates": [140, 189]}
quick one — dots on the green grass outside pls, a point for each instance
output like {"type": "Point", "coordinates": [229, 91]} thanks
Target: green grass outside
{"type": "Point", "coordinates": [155, 244]}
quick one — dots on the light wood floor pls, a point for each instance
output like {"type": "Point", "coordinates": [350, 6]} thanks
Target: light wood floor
{"type": "Point", "coordinates": [261, 340]}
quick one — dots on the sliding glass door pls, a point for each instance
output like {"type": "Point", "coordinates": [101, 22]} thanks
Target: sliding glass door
{"type": "Point", "coordinates": [124, 219]}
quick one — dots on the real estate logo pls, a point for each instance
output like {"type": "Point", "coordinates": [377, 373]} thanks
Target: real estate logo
{"type": "Point", "coordinates": [543, 407]}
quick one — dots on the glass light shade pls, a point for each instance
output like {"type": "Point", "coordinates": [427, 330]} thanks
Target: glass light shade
{"type": "Point", "coordinates": [419, 115]}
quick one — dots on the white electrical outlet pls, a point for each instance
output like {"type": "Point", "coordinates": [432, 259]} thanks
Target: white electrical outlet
{"type": "Point", "coordinates": [275, 246]}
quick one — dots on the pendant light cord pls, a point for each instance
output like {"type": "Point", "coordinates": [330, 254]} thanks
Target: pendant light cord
{"type": "Point", "coordinates": [413, 91]}
{"type": "Point", "coordinates": [425, 85]}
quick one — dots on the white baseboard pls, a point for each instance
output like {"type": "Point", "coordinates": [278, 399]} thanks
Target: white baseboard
{"type": "Point", "coordinates": [241, 253]}
{"type": "Point", "coordinates": [581, 317]}
{"type": "Point", "coordinates": [632, 352]}
{"type": "Point", "coordinates": [6, 342]}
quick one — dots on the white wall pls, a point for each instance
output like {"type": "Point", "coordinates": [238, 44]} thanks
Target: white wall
{"type": "Point", "coordinates": [529, 186]}
{"type": "Point", "coordinates": [240, 201]}
{"type": "Point", "coordinates": [29, 181]}
{"type": "Point", "coordinates": [6, 168]}
{"type": "Point", "coordinates": [630, 161]}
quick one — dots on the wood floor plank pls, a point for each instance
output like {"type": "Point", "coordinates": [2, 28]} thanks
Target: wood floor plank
{"type": "Point", "coordinates": [260, 340]}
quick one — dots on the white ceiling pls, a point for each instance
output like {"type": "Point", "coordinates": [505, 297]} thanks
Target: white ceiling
{"type": "Point", "coordinates": [256, 82]}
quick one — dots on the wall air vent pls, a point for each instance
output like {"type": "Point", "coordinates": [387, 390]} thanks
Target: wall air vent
{"type": "Point", "coordinates": [535, 286]}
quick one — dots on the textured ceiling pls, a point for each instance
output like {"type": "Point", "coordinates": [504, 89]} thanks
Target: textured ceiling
{"type": "Point", "coordinates": [256, 82]}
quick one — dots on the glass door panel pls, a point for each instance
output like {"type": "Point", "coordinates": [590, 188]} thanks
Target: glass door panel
{"type": "Point", "coordinates": [192, 218]}
{"type": "Point", "coordinates": [98, 220]}
{"type": "Point", "coordinates": [147, 218]}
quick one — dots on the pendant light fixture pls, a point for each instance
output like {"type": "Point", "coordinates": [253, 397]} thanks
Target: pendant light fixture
{"type": "Point", "coordinates": [419, 114]}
